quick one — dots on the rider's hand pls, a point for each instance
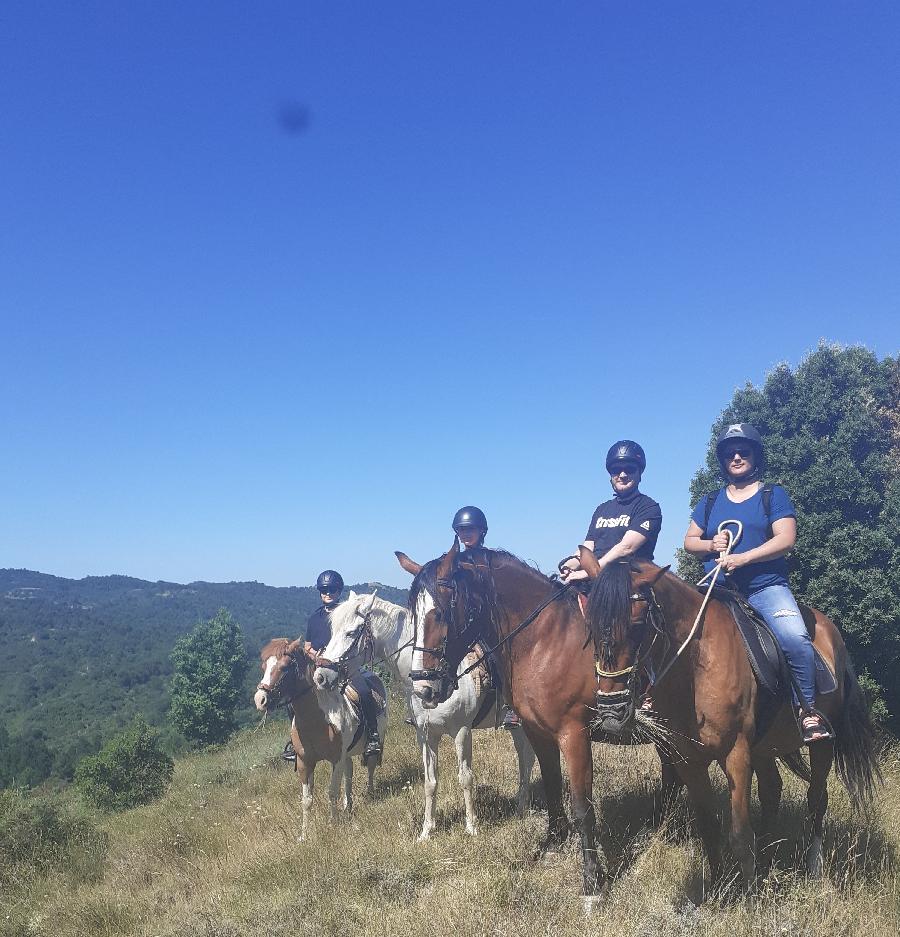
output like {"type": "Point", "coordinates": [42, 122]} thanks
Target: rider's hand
{"type": "Point", "coordinates": [720, 542]}
{"type": "Point", "coordinates": [308, 650]}
{"type": "Point", "coordinates": [733, 561]}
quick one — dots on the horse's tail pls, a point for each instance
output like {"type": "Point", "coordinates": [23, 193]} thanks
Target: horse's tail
{"type": "Point", "coordinates": [854, 744]}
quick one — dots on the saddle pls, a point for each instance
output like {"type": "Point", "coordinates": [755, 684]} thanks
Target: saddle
{"type": "Point", "coordinates": [372, 682]}
{"type": "Point", "coordinates": [486, 680]}
{"type": "Point", "coordinates": [766, 658]}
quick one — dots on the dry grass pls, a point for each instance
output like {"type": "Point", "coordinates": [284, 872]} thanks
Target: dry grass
{"type": "Point", "coordinates": [218, 857]}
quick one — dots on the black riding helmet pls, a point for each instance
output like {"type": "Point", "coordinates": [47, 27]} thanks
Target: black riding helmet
{"type": "Point", "coordinates": [470, 516]}
{"type": "Point", "coordinates": [330, 581]}
{"type": "Point", "coordinates": [625, 450]}
{"type": "Point", "coordinates": [747, 433]}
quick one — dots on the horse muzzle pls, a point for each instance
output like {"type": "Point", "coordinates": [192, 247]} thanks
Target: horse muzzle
{"type": "Point", "coordinates": [325, 676]}
{"type": "Point", "coordinates": [615, 712]}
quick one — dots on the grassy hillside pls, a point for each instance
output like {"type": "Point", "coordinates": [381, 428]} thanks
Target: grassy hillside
{"type": "Point", "coordinates": [218, 857]}
{"type": "Point", "coordinates": [80, 658]}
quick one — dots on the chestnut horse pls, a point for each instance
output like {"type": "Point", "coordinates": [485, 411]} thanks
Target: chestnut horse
{"type": "Point", "coordinates": [335, 738]}
{"type": "Point", "coordinates": [709, 700]}
{"type": "Point", "coordinates": [547, 669]}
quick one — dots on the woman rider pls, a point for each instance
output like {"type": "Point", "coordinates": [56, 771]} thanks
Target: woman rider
{"type": "Point", "coordinates": [629, 523]}
{"type": "Point", "coordinates": [757, 563]}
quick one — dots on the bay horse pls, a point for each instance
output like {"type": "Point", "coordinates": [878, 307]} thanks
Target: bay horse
{"type": "Point", "coordinates": [547, 668]}
{"type": "Point", "coordinates": [365, 625]}
{"type": "Point", "coordinates": [709, 700]}
{"type": "Point", "coordinates": [324, 727]}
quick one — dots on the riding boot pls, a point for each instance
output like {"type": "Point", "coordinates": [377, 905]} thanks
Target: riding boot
{"type": "Point", "coordinates": [370, 717]}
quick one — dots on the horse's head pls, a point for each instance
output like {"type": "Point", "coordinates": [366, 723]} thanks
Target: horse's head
{"type": "Point", "coordinates": [351, 641]}
{"type": "Point", "coordinates": [447, 604]}
{"type": "Point", "coordinates": [625, 624]}
{"type": "Point", "coordinates": [285, 673]}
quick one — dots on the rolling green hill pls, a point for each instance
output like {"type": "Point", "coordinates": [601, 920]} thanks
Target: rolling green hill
{"type": "Point", "coordinates": [79, 658]}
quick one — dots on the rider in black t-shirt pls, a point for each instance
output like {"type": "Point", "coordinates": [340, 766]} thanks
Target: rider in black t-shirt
{"type": "Point", "coordinates": [626, 525]}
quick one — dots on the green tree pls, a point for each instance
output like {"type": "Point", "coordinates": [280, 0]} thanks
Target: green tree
{"type": "Point", "coordinates": [832, 438]}
{"type": "Point", "coordinates": [210, 664]}
{"type": "Point", "coordinates": [130, 770]}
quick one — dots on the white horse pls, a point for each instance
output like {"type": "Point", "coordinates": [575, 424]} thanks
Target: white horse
{"type": "Point", "coordinates": [365, 619]}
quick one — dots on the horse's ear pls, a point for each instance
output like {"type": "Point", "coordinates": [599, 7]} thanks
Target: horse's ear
{"type": "Point", "coordinates": [445, 567]}
{"type": "Point", "coordinates": [294, 647]}
{"type": "Point", "coordinates": [409, 565]}
{"type": "Point", "coordinates": [659, 575]}
{"type": "Point", "coordinates": [363, 608]}
{"type": "Point", "coordinates": [352, 596]}
{"type": "Point", "coordinates": [588, 561]}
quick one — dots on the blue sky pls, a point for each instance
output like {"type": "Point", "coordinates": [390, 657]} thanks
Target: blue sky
{"type": "Point", "coordinates": [282, 285]}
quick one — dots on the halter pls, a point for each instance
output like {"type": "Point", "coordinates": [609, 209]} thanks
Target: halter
{"type": "Point", "coordinates": [611, 703]}
{"type": "Point", "coordinates": [362, 643]}
{"type": "Point", "coordinates": [275, 690]}
{"type": "Point", "coordinates": [441, 672]}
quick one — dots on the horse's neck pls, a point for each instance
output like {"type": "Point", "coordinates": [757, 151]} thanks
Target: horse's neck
{"type": "Point", "coordinates": [519, 594]}
{"type": "Point", "coordinates": [680, 603]}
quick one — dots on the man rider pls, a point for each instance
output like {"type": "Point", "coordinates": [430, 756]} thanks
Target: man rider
{"type": "Point", "coordinates": [330, 584]}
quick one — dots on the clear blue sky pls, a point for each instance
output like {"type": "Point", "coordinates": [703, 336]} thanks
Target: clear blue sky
{"type": "Point", "coordinates": [282, 285]}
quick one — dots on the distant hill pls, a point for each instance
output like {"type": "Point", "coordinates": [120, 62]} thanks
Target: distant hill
{"type": "Point", "coordinates": [80, 657]}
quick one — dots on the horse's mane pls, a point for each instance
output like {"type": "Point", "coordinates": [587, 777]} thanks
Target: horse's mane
{"type": "Point", "coordinates": [388, 613]}
{"type": "Point", "coordinates": [277, 647]}
{"type": "Point", "coordinates": [609, 607]}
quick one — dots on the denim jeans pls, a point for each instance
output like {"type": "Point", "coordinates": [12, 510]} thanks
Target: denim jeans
{"type": "Point", "coordinates": [780, 611]}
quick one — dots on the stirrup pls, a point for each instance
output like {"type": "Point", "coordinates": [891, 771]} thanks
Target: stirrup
{"type": "Point", "coordinates": [372, 749]}
{"type": "Point", "coordinates": [815, 727]}
{"type": "Point", "coordinates": [288, 754]}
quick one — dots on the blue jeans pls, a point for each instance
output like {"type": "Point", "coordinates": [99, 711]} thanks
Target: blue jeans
{"type": "Point", "coordinates": [780, 611]}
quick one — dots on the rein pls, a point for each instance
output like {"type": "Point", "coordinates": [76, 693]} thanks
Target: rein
{"type": "Point", "coordinates": [733, 539]}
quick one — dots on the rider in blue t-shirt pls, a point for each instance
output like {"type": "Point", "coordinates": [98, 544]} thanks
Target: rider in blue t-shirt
{"type": "Point", "coordinates": [757, 564]}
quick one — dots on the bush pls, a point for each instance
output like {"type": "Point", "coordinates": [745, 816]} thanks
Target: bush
{"type": "Point", "coordinates": [130, 770]}
{"type": "Point", "coordinates": [36, 834]}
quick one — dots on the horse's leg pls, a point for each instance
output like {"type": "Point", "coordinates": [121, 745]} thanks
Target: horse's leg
{"type": "Point", "coordinates": [576, 749]}
{"type": "Point", "coordinates": [463, 742]}
{"type": "Point", "coordinates": [334, 786]}
{"type": "Point", "coordinates": [348, 785]}
{"type": "Point", "coordinates": [525, 756]}
{"type": "Point", "coordinates": [769, 784]}
{"type": "Point", "coordinates": [696, 778]}
{"type": "Point", "coordinates": [547, 752]}
{"type": "Point", "coordinates": [306, 773]}
{"type": "Point", "coordinates": [430, 762]}
{"type": "Point", "coordinates": [739, 772]}
{"type": "Point", "coordinates": [664, 801]}
{"type": "Point", "coordinates": [821, 755]}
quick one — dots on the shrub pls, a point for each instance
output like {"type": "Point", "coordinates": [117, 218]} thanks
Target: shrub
{"type": "Point", "coordinates": [37, 833]}
{"type": "Point", "coordinates": [128, 771]}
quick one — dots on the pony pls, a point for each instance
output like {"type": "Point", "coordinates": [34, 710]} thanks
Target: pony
{"type": "Point", "coordinates": [324, 727]}
{"type": "Point", "coordinates": [365, 625]}
{"type": "Point", "coordinates": [706, 695]}
{"type": "Point", "coordinates": [540, 644]}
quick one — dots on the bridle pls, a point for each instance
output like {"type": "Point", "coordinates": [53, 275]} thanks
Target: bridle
{"type": "Point", "coordinates": [616, 703]}
{"type": "Point", "coordinates": [362, 643]}
{"type": "Point", "coordinates": [275, 691]}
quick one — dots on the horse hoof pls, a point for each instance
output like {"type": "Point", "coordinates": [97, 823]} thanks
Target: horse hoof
{"type": "Point", "coordinates": [471, 830]}
{"type": "Point", "coordinates": [591, 904]}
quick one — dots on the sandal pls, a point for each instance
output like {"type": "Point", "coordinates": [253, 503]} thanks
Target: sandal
{"type": "Point", "coordinates": [815, 728]}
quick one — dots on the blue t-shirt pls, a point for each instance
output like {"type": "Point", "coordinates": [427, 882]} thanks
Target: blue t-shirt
{"type": "Point", "coordinates": [756, 576]}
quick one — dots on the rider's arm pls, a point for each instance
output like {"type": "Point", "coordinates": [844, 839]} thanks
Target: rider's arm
{"type": "Point", "coordinates": [696, 543]}
{"type": "Point", "coordinates": [784, 536]}
{"type": "Point", "coordinates": [630, 543]}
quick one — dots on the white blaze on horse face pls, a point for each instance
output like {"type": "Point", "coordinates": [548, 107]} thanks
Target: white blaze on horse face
{"type": "Point", "coordinates": [260, 697]}
{"type": "Point", "coordinates": [424, 605]}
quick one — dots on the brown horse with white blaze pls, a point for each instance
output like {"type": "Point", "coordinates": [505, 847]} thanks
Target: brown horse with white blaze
{"type": "Point", "coordinates": [707, 697]}
{"type": "Point", "coordinates": [288, 679]}
{"type": "Point", "coordinates": [547, 669]}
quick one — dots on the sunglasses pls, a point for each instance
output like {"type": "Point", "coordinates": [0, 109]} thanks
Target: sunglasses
{"type": "Point", "coordinates": [623, 468]}
{"type": "Point", "coordinates": [741, 453]}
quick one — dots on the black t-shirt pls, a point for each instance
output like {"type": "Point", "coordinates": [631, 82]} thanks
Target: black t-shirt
{"type": "Point", "coordinates": [318, 628]}
{"type": "Point", "coordinates": [637, 512]}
